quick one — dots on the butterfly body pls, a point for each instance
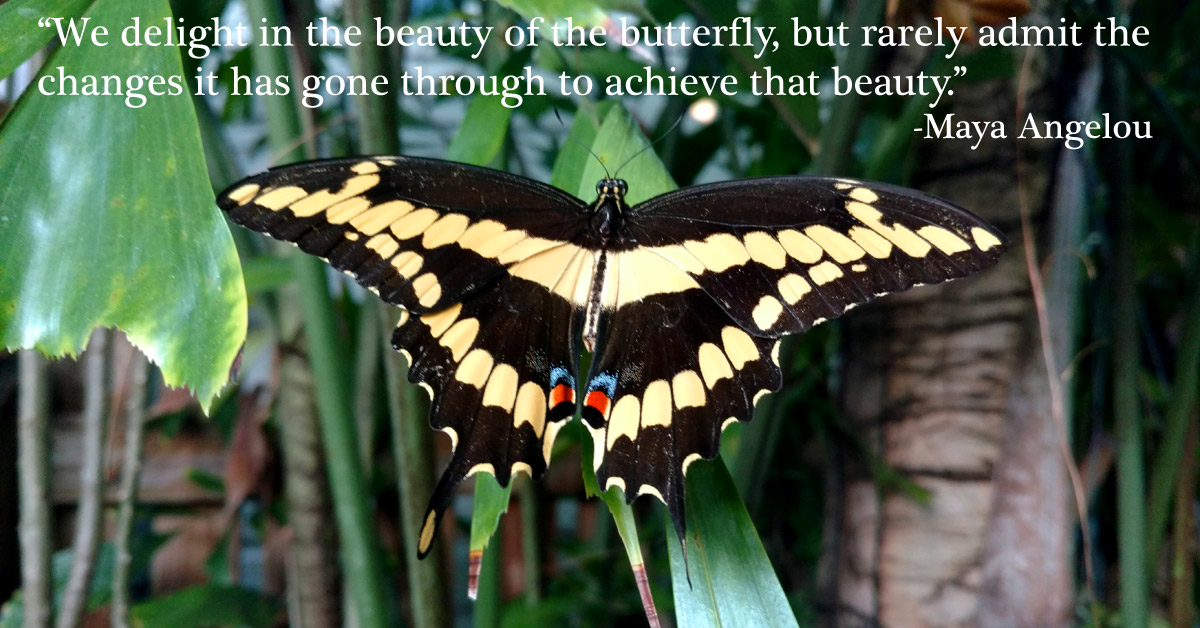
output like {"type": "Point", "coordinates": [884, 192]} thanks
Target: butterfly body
{"type": "Point", "coordinates": [682, 299]}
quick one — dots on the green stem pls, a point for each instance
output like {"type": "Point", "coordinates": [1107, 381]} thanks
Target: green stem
{"type": "Point", "coordinates": [1131, 469]}
{"type": "Point", "coordinates": [412, 443]}
{"type": "Point", "coordinates": [1180, 411]}
{"type": "Point", "coordinates": [361, 558]}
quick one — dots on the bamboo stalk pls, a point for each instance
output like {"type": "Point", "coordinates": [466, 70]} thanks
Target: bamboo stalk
{"type": "Point", "coordinates": [1131, 470]}
{"type": "Point", "coordinates": [1180, 411]}
{"type": "Point", "coordinates": [361, 559]}
{"type": "Point", "coordinates": [412, 444]}
{"type": "Point", "coordinates": [131, 468]}
{"type": "Point", "coordinates": [90, 517]}
{"type": "Point", "coordinates": [33, 447]}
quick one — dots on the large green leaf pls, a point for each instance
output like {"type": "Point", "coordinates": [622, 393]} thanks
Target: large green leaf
{"type": "Point", "coordinates": [108, 218]}
{"type": "Point", "coordinates": [732, 582]}
{"type": "Point", "coordinates": [22, 35]}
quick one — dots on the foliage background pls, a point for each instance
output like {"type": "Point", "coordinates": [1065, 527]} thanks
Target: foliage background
{"type": "Point", "coordinates": [106, 219]}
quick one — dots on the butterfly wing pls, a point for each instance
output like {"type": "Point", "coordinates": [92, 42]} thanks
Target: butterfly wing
{"type": "Point", "coordinates": [713, 275]}
{"type": "Point", "coordinates": [483, 266]}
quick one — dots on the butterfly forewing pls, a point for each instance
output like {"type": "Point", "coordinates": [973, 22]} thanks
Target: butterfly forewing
{"type": "Point", "coordinates": [785, 253]}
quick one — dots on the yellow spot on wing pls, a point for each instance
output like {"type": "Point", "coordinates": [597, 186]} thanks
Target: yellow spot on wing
{"type": "Point", "coordinates": [644, 273]}
{"type": "Point", "coordinates": [767, 312]}
{"type": "Point", "coordinates": [739, 347]}
{"type": "Point", "coordinates": [765, 250]}
{"type": "Point", "coordinates": [901, 236]}
{"type": "Point", "coordinates": [678, 255]}
{"type": "Point", "coordinates": [446, 230]}
{"type": "Point", "coordinates": [713, 365]}
{"type": "Point", "coordinates": [411, 225]}
{"type": "Point", "coordinates": [689, 459]}
{"type": "Point", "coordinates": [548, 439]}
{"type": "Point", "coordinates": [687, 391]}
{"type": "Point", "coordinates": [408, 263]}
{"type": "Point", "coordinates": [792, 288]}
{"type": "Point", "coordinates": [839, 247]}
{"type": "Point", "coordinates": [500, 243]}
{"type": "Point", "coordinates": [459, 338]}
{"type": "Point", "coordinates": [719, 252]}
{"type": "Point", "coordinates": [501, 389]}
{"type": "Point", "coordinates": [244, 193]}
{"type": "Point", "coordinates": [871, 242]}
{"type": "Point", "coordinates": [531, 407]}
{"type": "Point", "coordinates": [623, 420]}
{"type": "Point", "coordinates": [377, 218]}
{"type": "Point", "coordinates": [527, 248]}
{"type": "Point", "coordinates": [383, 244]}
{"type": "Point", "coordinates": [475, 368]}
{"type": "Point", "coordinates": [656, 404]}
{"type": "Point", "coordinates": [546, 268]}
{"type": "Point", "coordinates": [984, 238]}
{"type": "Point", "coordinates": [427, 531]}
{"type": "Point", "coordinates": [864, 195]}
{"type": "Point", "coordinates": [479, 234]}
{"type": "Point", "coordinates": [646, 489]}
{"type": "Point", "coordinates": [279, 198]}
{"type": "Point", "coordinates": [439, 322]}
{"type": "Point", "coordinates": [799, 246]}
{"type": "Point", "coordinates": [340, 213]}
{"type": "Point", "coordinates": [945, 240]}
{"type": "Point", "coordinates": [316, 202]}
{"type": "Point", "coordinates": [824, 273]}
{"type": "Point", "coordinates": [365, 167]}
{"type": "Point", "coordinates": [428, 289]}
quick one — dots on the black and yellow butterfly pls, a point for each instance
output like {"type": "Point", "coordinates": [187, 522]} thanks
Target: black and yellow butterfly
{"type": "Point", "coordinates": [683, 298]}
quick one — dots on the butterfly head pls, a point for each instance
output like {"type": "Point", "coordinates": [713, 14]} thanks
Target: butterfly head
{"type": "Point", "coordinates": [611, 188]}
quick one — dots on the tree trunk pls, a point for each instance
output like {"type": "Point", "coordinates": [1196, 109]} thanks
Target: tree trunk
{"type": "Point", "coordinates": [949, 387]}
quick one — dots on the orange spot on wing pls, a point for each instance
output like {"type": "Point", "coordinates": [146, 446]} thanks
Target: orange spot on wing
{"type": "Point", "coordinates": [562, 393]}
{"type": "Point", "coordinates": [598, 401]}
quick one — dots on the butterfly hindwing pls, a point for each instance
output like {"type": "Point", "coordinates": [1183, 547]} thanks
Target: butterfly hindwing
{"type": "Point", "coordinates": [670, 373]}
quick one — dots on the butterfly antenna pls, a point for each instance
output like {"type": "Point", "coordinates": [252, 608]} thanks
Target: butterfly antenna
{"type": "Point", "coordinates": [652, 144]}
{"type": "Point", "coordinates": [581, 143]}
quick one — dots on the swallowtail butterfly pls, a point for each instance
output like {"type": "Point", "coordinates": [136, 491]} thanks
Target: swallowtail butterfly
{"type": "Point", "coordinates": [682, 299]}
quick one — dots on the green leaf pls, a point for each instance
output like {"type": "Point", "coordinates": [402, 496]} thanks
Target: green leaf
{"type": "Point", "coordinates": [732, 581]}
{"type": "Point", "coordinates": [207, 605]}
{"type": "Point", "coordinates": [108, 218]}
{"type": "Point", "coordinates": [582, 12]}
{"type": "Point", "coordinates": [611, 134]}
{"type": "Point", "coordinates": [481, 136]}
{"type": "Point", "coordinates": [22, 35]}
{"type": "Point", "coordinates": [491, 501]}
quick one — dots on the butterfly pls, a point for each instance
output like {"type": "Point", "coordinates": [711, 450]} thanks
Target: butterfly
{"type": "Point", "coordinates": [682, 299]}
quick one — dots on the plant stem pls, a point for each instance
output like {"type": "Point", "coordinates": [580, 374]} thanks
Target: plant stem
{"type": "Point", "coordinates": [838, 133]}
{"type": "Point", "coordinates": [1131, 470]}
{"type": "Point", "coordinates": [1180, 411]}
{"type": "Point", "coordinates": [90, 518]}
{"type": "Point", "coordinates": [131, 468]}
{"type": "Point", "coordinates": [33, 446]}
{"type": "Point", "coordinates": [361, 558]}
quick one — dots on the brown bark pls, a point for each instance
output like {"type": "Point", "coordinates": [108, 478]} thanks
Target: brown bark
{"type": "Point", "coordinates": [949, 387]}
